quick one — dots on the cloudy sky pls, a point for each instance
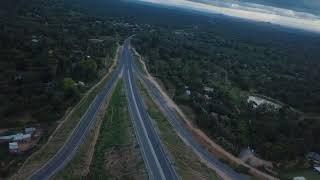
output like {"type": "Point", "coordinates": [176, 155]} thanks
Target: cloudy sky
{"type": "Point", "coordinates": [299, 15]}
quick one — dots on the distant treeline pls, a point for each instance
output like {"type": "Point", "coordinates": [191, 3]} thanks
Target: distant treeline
{"type": "Point", "coordinates": [45, 51]}
{"type": "Point", "coordinates": [222, 64]}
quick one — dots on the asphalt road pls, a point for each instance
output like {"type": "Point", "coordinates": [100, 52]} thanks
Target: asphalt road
{"type": "Point", "coordinates": [157, 162]}
{"type": "Point", "coordinates": [156, 159]}
{"type": "Point", "coordinates": [67, 152]}
{"type": "Point", "coordinates": [177, 123]}
{"type": "Point", "coordinates": [158, 165]}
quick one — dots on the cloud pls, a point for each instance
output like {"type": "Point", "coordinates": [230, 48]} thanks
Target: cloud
{"type": "Point", "coordinates": [249, 11]}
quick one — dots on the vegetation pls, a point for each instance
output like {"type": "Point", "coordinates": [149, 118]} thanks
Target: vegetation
{"type": "Point", "coordinates": [51, 55]}
{"type": "Point", "coordinates": [307, 173]}
{"type": "Point", "coordinates": [60, 135]}
{"type": "Point", "coordinates": [116, 152]}
{"type": "Point", "coordinates": [187, 164]}
{"type": "Point", "coordinates": [78, 167]}
{"type": "Point", "coordinates": [51, 52]}
{"type": "Point", "coordinates": [46, 46]}
{"type": "Point", "coordinates": [220, 68]}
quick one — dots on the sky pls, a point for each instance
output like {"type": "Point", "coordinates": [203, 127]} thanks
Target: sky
{"type": "Point", "coordinates": [288, 15]}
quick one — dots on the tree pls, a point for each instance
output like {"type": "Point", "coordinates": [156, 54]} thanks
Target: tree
{"type": "Point", "coordinates": [85, 70]}
{"type": "Point", "coordinates": [70, 88]}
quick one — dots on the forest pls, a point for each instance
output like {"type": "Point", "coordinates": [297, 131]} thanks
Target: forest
{"type": "Point", "coordinates": [50, 55]}
{"type": "Point", "coordinates": [212, 69]}
{"type": "Point", "coordinates": [51, 52]}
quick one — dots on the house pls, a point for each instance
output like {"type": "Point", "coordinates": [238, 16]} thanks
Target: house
{"type": "Point", "coordinates": [80, 83]}
{"type": "Point", "coordinates": [30, 130]}
{"type": "Point", "coordinates": [317, 168]}
{"type": "Point", "coordinates": [208, 89]}
{"type": "Point", "coordinates": [14, 147]}
{"type": "Point", "coordinates": [299, 178]}
{"type": "Point", "coordinates": [313, 157]}
{"type": "Point", "coordinates": [21, 137]}
{"type": "Point", "coordinates": [188, 92]}
{"type": "Point", "coordinates": [96, 40]}
{"type": "Point", "coordinates": [5, 139]}
{"type": "Point", "coordinates": [35, 40]}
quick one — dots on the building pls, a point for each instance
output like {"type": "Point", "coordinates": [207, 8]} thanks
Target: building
{"type": "Point", "coordinates": [21, 137]}
{"type": "Point", "coordinates": [208, 89]}
{"type": "Point", "coordinates": [30, 130]}
{"type": "Point", "coordinates": [5, 138]}
{"type": "Point", "coordinates": [317, 168]}
{"type": "Point", "coordinates": [314, 158]}
{"type": "Point", "coordinates": [299, 178]}
{"type": "Point", "coordinates": [80, 83]}
{"type": "Point", "coordinates": [188, 92]}
{"type": "Point", "coordinates": [14, 147]}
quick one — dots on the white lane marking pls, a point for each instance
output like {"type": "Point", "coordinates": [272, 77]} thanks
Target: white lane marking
{"type": "Point", "coordinates": [144, 128]}
{"type": "Point", "coordinates": [139, 139]}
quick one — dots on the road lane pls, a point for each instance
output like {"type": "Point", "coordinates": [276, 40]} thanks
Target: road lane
{"type": "Point", "coordinates": [68, 150]}
{"type": "Point", "coordinates": [158, 164]}
{"type": "Point", "coordinates": [177, 123]}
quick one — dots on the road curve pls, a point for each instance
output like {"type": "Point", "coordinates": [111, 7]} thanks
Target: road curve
{"type": "Point", "coordinates": [78, 135]}
{"type": "Point", "coordinates": [177, 123]}
{"type": "Point", "coordinates": [158, 164]}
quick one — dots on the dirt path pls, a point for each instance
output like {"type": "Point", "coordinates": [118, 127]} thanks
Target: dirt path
{"type": "Point", "coordinates": [200, 135]}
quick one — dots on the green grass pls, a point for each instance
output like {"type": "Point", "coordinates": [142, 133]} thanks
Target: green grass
{"type": "Point", "coordinates": [309, 174]}
{"type": "Point", "coordinates": [116, 134]}
{"type": "Point", "coordinates": [187, 163]}
{"type": "Point", "coordinates": [77, 165]}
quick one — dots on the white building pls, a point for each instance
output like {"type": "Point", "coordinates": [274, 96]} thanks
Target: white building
{"type": "Point", "coordinates": [13, 147]}
{"type": "Point", "coordinates": [317, 168]}
{"type": "Point", "coordinates": [30, 130]}
{"type": "Point", "coordinates": [22, 137]}
{"type": "Point", "coordinates": [6, 138]}
{"type": "Point", "coordinates": [188, 92]}
{"type": "Point", "coordinates": [80, 83]}
{"type": "Point", "coordinates": [299, 178]}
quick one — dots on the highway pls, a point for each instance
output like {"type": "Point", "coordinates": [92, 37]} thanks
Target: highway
{"type": "Point", "coordinates": [158, 165]}
{"type": "Point", "coordinates": [77, 137]}
{"type": "Point", "coordinates": [177, 123]}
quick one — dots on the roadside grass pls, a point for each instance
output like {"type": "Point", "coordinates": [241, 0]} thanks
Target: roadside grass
{"type": "Point", "coordinates": [187, 163]}
{"type": "Point", "coordinates": [62, 132]}
{"type": "Point", "coordinates": [138, 61]}
{"type": "Point", "coordinates": [79, 166]}
{"type": "Point", "coordinates": [307, 173]}
{"type": "Point", "coordinates": [116, 152]}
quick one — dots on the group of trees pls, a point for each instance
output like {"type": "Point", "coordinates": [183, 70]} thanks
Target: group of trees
{"type": "Point", "coordinates": [45, 50]}
{"type": "Point", "coordinates": [233, 66]}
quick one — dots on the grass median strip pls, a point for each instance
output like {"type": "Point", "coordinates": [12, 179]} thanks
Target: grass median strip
{"type": "Point", "coordinates": [117, 154]}
{"type": "Point", "coordinates": [186, 161]}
